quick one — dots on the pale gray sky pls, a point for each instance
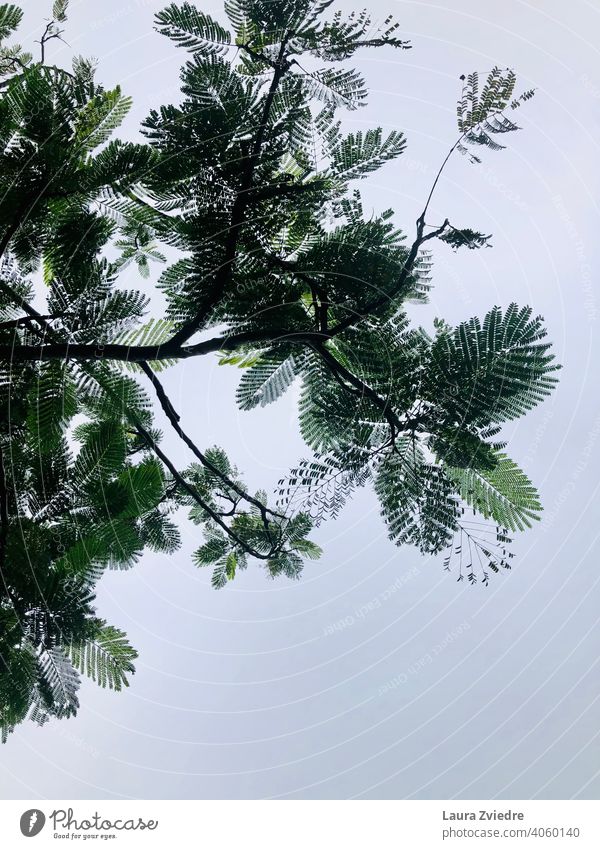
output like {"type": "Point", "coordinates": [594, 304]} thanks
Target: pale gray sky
{"type": "Point", "coordinates": [426, 688]}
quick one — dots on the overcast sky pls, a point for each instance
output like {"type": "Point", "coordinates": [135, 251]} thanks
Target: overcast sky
{"type": "Point", "coordinates": [425, 688]}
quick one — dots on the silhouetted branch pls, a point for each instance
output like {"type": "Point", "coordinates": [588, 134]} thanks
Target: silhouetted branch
{"type": "Point", "coordinates": [192, 491]}
{"type": "Point", "coordinates": [239, 208]}
{"type": "Point", "coordinates": [174, 418]}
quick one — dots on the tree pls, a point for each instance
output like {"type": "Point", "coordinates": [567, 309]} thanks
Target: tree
{"type": "Point", "coordinates": [251, 183]}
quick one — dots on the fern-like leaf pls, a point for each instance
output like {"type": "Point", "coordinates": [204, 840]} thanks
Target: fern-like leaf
{"type": "Point", "coordinates": [192, 29]}
{"type": "Point", "coordinates": [358, 154]}
{"type": "Point", "coordinates": [155, 332]}
{"type": "Point", "coordinates": [100, 117]}
{"type": "Point", "coordinates": [10, 18]}
{"type": "Point", "coordinates": [337, 86]}
{"type": "Point", "coordinates": [59, 10]}
{"type": "Point", "coordinates": [52, 404]}
{"type": "Point", "coordinates": [106, 657]}
{"type": "Point", "coordinates": [59, 683]}
{"type": "Point", "coordinates": [491, 371]}
{"type": "Point", "coordinates": [267, 380]}
{"type": "Point", "coordinates": [503, 493]}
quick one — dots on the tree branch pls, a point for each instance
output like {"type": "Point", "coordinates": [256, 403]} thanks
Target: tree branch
{"type": "Point", "coordinates": [361, 388]}
{"type": "Point", "coordinates": [175, 418]}
{"type": "Point", "coordinates": [257, 55]}
{"type": "Point", "coordinates": [385, 299]}
{"type": "Point", "coordinates": [191, 490]}
{"type": "Point", "coordinates": [239, 207]}
{"type": "Point", "coordinates": [48, 34]}
{"type": "Point", "coordinates": [145, 353]}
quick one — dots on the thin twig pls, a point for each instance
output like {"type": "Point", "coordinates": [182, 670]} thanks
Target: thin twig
{"type": "Point", "coordinates": [191, 490]}
{"type": "Point", "coordinates": [174, 419]}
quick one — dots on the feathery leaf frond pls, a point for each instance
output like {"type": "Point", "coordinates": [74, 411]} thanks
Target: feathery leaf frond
{"type": "Point", "coordinates": [105, 656]}
{"type": "Point", "coordinates": [192, 29]}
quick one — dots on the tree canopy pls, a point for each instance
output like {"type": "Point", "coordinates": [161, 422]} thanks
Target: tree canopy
{"type": "Point", "coordinates": [248, 186]}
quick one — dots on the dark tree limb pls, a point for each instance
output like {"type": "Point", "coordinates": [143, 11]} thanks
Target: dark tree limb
{"type": "Point", "coordinates": [358, 387]}
{"type": "Point", "coordinates": [145, 353]}
{"type": "Point", "coordinates": [47, 36]}
{"type": "Point", "coordinates": [192, 491]}
{"type": "Point", "coordinates": [15, 323]}
{"type": "Point", "coordinates": [397, 289]}
{"type": "Point", "coordinates": [224, 273]}
{"type": "Point", "coordinates": [174, 419]}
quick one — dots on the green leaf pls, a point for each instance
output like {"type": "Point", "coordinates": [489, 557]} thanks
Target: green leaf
{"type": "Point", "coordinates": [241, 360]}
{"type": "Point", "coordinates": [230, 566]}
{"type": "Point", "coordinates": [100, 118]}
{"type": "Point", "coordinates": [219, 576]}
{"type": "Point", "coordinates": [359, 154]}
{"type": "Point", "coordinates": [10, 18]}
{"type": "Point", "coordinates": [212, 551]}
{"type": "Point", "coordinates": [83, 556]}
{"type": "Point", "coordinates": [122, 540]}
{"type": "Point", "coordinates": [59, 10]}
{"type": "Point", "coordinates": [155, 332]}
{"type": "Point", "coordinates": [491, 371]}
{"type": "Point", "coordinates": [143, 486]}
{"type": "Point", "coordinates": [160, 533]}
{"type": "Point", "coordinates": [192, 29]}
{"type": "Point", "coordinates": [307, 548]}
{"type": "Point", "coordinates": [418, 501]}
{"type": "Point", "coordinates": [106, 657]}
{"type": "Point", "coordinates": [467, 238]}
{"type": "Point", "coordinates": [52, 405]}
{"type": "Point", "coordinates": [322, 486]}
{"type": "Point", "coordinates": [105, 393]}
{"type": "Point", "coordinates": [480, 115]}
{"type": "Point", "coordinates": [60, 683]}
{"type": "Point", "coordinates": [503, 493]}
{"type": "Point", "coordinates": [337, 86]}
{"type": "Point", "coordinates": [84, 69]}
{"type": "Point", "coordinates": [267, 380]}
{"type": "Point", "coordinates": [286, 563]}
{"type": "Point", "coordinates": [102, 455]}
